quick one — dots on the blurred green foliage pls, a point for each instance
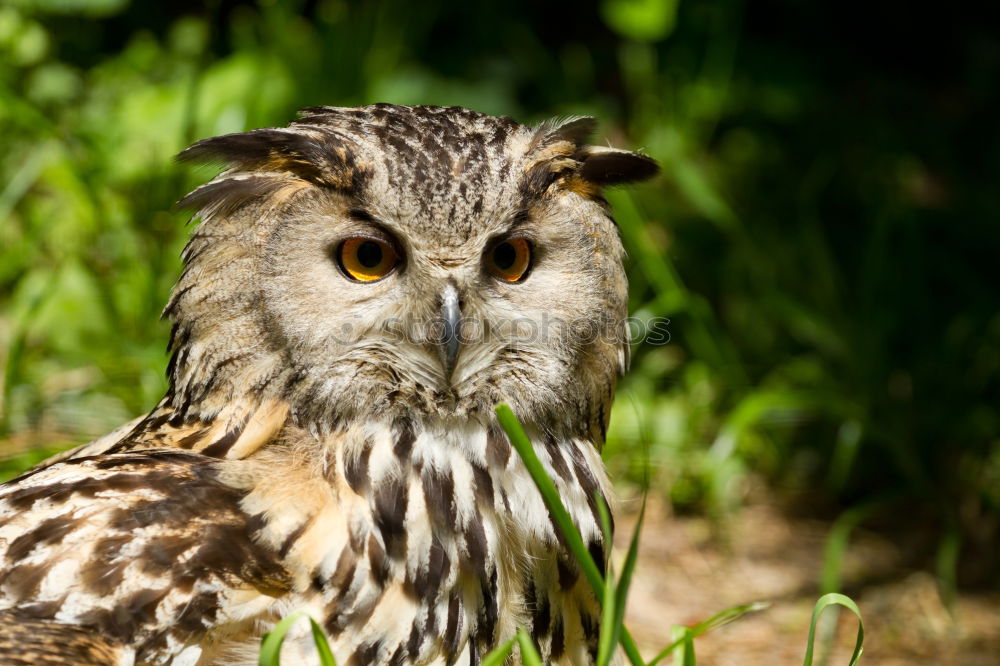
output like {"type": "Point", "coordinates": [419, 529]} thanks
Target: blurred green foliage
{"type": "Point", "coordinates": [823, 238]}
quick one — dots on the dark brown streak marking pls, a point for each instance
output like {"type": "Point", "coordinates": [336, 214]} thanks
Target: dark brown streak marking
{"type": "Point", "coordinates": [588, 483]}
{"type": "Point", "coordinates": [189, 441]}
{"type": "Point", "coordinates": [568, 571]}
{"type": "Point", "coordinates": [424, 582]}
{"type": "Point", "coordinates": [141, 606]}
{"type": "Point", "coordinates": [439, 494]}
{"type": "Point", "coordinates": [198, 613]}
{"type": "Point", "coordinates": [484, 487]}
{"type": "Point", "coordinates": [355, 614]}
{"type": "Point", "coordinates": [148, 458]}
{"type": "Point", "coordinates": [41, 609]}
{"type": "Point", "coordinates": [220, 447]}
{"type": "Point", "coordinates": [58, 492]}
{"type": "Point", "coordinates": [293, 536]}
{"type": "Point", "coordinates": [104, 571]}
{"type": "Point", "coordinates": [365, 655]}
{"type": "Point", "coordinates": [32, 641]}
{"type": "Point", "coordinates": [414, 641]}
{"type": "Point", "coordinates": [344, 573]}
{"type": "Point", "coordinates": [596, 550]}
{"type": "Point", "coordinates": [23, 581]}
{"type": "Point", "coordinates": [558, 639]}
{"type": "Point", "coordinates": [356, 469]}
{"type": "Point", "coordinates": [453, 629]}
{"type": "Point", "coordinates": [390, 512]}
{"type": "Point", "coordinates": [489, 613]}
{"type": "Point", "coordinates": [590, 628]}
{"type": "Point", "coordinates": [404, 441]}
{"type": "Point", "coordinates": [476, 545]}
{"type": "Point", "coordinates": [160, 555]}
{"type": "Point", "coordinates": [377, 561]}
{"type": "Point", "coordinates": [541, 617]}
{"type": "Point", "coordinates": [50, 531]}
{"type": "Point", "coordinates": [556, 456]}
{"type": "Point", "coordinates": [497, 447]}
{"type": "Point", "coordinates": [398, 657]}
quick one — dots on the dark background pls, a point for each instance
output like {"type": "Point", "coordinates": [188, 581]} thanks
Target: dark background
{"type": "Point", "coordinates": [823, 238]}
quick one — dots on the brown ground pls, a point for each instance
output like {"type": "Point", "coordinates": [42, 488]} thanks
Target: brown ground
{"type": "Point", "coordinates": [685, 575]}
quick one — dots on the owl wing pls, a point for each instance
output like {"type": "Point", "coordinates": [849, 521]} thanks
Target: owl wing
{"type": "Point", "coordinates": [235, 432]}
{"type": "Point", "coordinates": [28, 642]}
{"type": "Point", "coordinates": [147, 551]}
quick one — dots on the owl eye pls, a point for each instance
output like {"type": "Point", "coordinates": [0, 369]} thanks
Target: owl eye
{"type": "Point", "coordinates": [509, 259]}
{"type": "Point", "coordinates": [366, 259]}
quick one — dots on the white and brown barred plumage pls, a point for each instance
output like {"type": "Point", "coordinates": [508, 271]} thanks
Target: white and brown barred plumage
{"type": "Point", "coordinates": [314, 451]}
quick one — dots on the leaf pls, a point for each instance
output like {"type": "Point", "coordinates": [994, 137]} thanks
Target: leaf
{"type": "Point", "coordinates": [322, 646]}
{"type": "Point", "coordinates": [631, 558]}
{"type": "Point", "coordinates": [608, 638]}
{"type": "Point", "coordinates": [270, 646]}
{"type": "Point", "coordinates": [687, 636]}
{"type": "Point", "coordinates": [529, 653]}
{"type": "Point", "coordinates": [498, 656]}
{"type": "Point", "coordinates": [822, 604]}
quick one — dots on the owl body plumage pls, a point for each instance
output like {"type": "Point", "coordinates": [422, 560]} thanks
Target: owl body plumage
{"type": "Point", "coordinates": [409, 545]}
{"type": "Point", "coordinates": [319, 449]}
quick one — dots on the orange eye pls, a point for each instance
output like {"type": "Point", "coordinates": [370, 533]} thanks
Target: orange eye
{"type": "Point", "coordinates": [366, 259]}
{"type": "Point", "coordinates": [509, 260]}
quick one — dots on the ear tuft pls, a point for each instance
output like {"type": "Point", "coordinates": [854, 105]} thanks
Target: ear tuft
{"type": "Point", "coordinates": [321, 158]}
{"type": "Point", "coordinates": [576, 130]}
{"type": "Point", "coordinates": [610, 166]}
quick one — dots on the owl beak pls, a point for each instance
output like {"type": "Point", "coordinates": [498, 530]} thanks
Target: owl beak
{"type": "Point", "coordinates": [450, 329]}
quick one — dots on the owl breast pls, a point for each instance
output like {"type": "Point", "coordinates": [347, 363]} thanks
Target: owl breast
{"type": "Point", "coordinates": [426, 543]}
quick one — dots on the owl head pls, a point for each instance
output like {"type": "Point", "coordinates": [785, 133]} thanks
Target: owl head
{"type": "Point", "coordinates": [394, 262]}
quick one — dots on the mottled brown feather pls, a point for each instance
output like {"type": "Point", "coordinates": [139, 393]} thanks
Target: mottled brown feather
{"type": "Point", "coordinates": [28, 642]}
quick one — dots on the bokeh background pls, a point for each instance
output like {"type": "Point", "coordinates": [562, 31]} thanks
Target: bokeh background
{"type": "Point", "coordinates": [823, 238]}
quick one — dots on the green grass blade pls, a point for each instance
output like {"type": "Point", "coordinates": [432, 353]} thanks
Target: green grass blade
{"type": "Point", "coordinates": [608, 638]}
{"type": "Point", "coordinates": [519, 440]}
{"type": "Point", "coordinates": [822, 604]}
{"type": "Point", "coordinates": [270, 647]}
{"type": "Point", "coordinates": [684, 642]}
{"type": "Point", "coordinates": [689, 659]}
{"type": "Point", "coordinates": [947, 566]}
{"type": "Point", "coordinates": [498, 656]}
{"type": "Point", "coordinates": [631, 558]}
{"type": "Point", "coordinates": [836, 545]}
{"type": "Point", "coordinates": [322, 645]}
{"type": "Point", "coordinates": [609, 611]}
{"type": "Point", "coordinates": [727, 616]}
{"type": "Point", "coordinates": [529, 653]}
{"type": "Point", "coordinates": [616, 593]}
{"type": "Point", "coordinates": [722, 617]}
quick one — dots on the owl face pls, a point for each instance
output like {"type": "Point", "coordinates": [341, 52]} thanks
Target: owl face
{"type": "Point", "coordinates": [399, 261]}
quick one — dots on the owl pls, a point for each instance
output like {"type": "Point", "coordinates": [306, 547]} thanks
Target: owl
{"type": "Point", "coordinates": [364, 287]}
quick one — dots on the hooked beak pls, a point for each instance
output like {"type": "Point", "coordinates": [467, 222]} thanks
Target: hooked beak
{"type": "Point", "coordinates": [450, 327]}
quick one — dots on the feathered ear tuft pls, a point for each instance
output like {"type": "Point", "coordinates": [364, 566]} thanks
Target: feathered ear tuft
{"type": "Point", "coordinates": [576, 130]}
{"type": "Point", "coordinates": [610, 166]}
{"type": "Point", "coordinates": [322, 158]}
{"type": "Point", "coordinates": [561, 152]}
